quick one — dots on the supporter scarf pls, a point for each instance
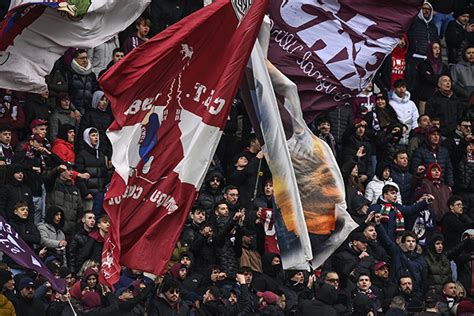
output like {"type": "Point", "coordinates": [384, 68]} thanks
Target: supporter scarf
{"type": "Point", "coordinates": [399, 220]}
{"type": "Point", "coordinates": [84, 71]}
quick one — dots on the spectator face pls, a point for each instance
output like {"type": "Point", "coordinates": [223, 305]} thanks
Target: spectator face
{"type": "Point", "coordinates": [363, 209]}
{"type": "Point", "coordinates": [45, 94]}
{"type": "Point", "coordinates": [57, 218]}
{"type": "Point", "coordinates": [248, 277]}
{"type": "Point", "coordinates": [444, 84]}
{"type": "Point", "coordinates": [232, 196]}
{"type": "Point", "coordinates": [457, 208]}
{"type": "Point", "coordinates": [434, 138]}
{"type": "Point", "coordinates": [333, 279]}
{"type": "Point", "coordinates": [22, 212]}
{"type": "Point", "coordinates": [6, 137]}
{"type": "Point", "coordinates": [104, 226]}
{"type": "Point", "coordinates": [390, 196]}
{"type": "Point", "coordinates": [9, 285]}
{"type": "Point", "coordinates": [28, 292]}
{"type": "Point", "coordinates": [435, 173]}
{"type": "Point", "coordinates": [18, 176]}
{"type": "Point", "coordinates": [401, 160]}
{"type": "Point", "coordinates": [424, 121]}
{"type": "Point", "coordinates": [439, 246]}
{"type": "Point", "coordinates": [370, 233]}
{"type": "Point", "coordinates": [360, 128]}
{"type": "Point", "coordinates": [247, 240]}
{"type": "Point", "coordinates": [208, 297]}
{"type": "Point", "coordinates": [298, 277]}
{"type": "Point", "coordinates": [233, 299]}
{"type": "Point", "coordinates": [126, 295]}
{"type": "Point", "coordinates": [268, 189]}
{"type": "Point", "coordinates": [410, 243]}
{"type": "Point", "coordinates": [66, 174]}
{"type": "Point", "coordinates": [103, 102]}
{"type": "Point", "coordinates": [426, 10]}
{"type": "Point", "coordinates": [449, 290]}
{"type": "Point", "coordinates": [198, 216]}
{"type": "Point", "coordinates": [143, 29]}
{"type": "Point", "coordinates": [355, 171]}
{"type": "Point", "coordinates": [276, 261]}
{"type": "Point", "coordinates": [215, 183]}
{"type": "Point", "coordinates": [94, 138]}
{"type": "Point", "coordinates": [186, 261]}
{"type": "Point", "coordinates": [436, 123]}
{"type": "Point", "coordinates": [324, 127]}
{"type": "Point", "coordinates": [222, 210]}
{"type": "Point", "coordinates": [82, 60]}
{"type": "Point", "coordinates": [172, 295]}
{"type": "Point", "coordinates": [183, 272]}
{"type": "Point", "coordinates": [370, 87]}
{"type": "Point", "coordinates": [40, 130]}
{"type": "Point", "coordinates": [364, 283]}
{"type": "Point", "coordinates": [383, 272]}
{"type": "Point", "coordinates": [436, 50]}
{"type": "Point", "coordinates": [65, 103]}
{"type": "Point", "coordinates": [401, 91]}
{"type": "Point", "coordinates": [463, 19]}
{"type": "Point", "coordinates": [241, 162]}
{"type": "Point", "coordinates": [406, 285]}
{"type": "Point", "coordinates": [359, 245]}
{"type": "Point", "coordinates": [465, 128]}
{"type": "Point", "coordinates": [386, 174]}
{"type": "Point", "coordinates": [118, 56]}
{"type": "Point", "coordinates": [470, 148]}
{"type": "Point", "coordinates": [215, 275]}
{"type": "Point", "coordinates": [71, 135]}
{"type": "Point", "coordinates": [89, 220]}
{"type": "Point", "coordinates": [402, 43]}
{"type": "Point", "coordinates": [380, 102]}
{"type": "Point", "coordinates": [91, 281]}
{"type": "Point", "coordinates": [255, 145]}
{"type": "Point", "coordinates": [470, 55]}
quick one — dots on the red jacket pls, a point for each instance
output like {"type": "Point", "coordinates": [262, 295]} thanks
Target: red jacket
{"type": "Point", "coordinates": [64, 150]}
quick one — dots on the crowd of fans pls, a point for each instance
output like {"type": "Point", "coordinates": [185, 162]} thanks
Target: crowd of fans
{"type": "Point", "coordinates": [404, 146]}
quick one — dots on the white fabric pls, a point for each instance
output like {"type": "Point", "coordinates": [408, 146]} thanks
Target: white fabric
{"type": "Point", "coordinates": [406, 110]}
{"type": "Point", "coordinates": [374, 189]}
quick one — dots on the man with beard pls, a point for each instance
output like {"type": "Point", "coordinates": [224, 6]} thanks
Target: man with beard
{"type": "Point", "coordinates": [25, 302]}
{"type": "Point", "coordinates": [412, 299]}
{"type": "Point", "coordinates": [212, 192]}
{"type": "Point", "coordinates": [324, 133]}
{"type": "Point", "coordinates": [342, 305]}
{"type": "Point", "coordinates": [168, 301]}
{"type": "Point", "coordinates": [374, 248]}
{"type": "Point", "coordinates": [382, 282]}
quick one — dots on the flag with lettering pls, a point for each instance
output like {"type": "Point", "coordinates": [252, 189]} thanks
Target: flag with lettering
{"type": "Point", "coordinates": [171, 98]}
{"type": "Point", "coordinates": [34, 34]}
{"type": "Point", "coordinates": [332, 48]}
{"type": "Point", "coordinates": [13, 246]}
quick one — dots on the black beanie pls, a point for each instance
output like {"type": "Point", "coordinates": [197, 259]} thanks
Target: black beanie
{"type": "Point", "coordinates": [5, 276]}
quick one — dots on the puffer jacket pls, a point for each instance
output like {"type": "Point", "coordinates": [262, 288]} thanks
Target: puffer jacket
{"type": "Point", "coordinates": [404, 179]}
{"type": "Point", "coordinates": [65, 195]}
{"type": "Point", "coordinates": [439, 268]}
{"type": "Point", "coordinates": [455, 36]}
{"type": "Point", "coordinates": [87, 161]}
{"type": "Point", "coordinates": [424, 156]}
{"type": "Point", "coordinates": [464, 174]}
{"type": "Point", "coordinates": [101, 121]}
{"type": "Point", "coordinates": [75, 245]}
{"type": "Point", "coordinates": [52, 235]}
{"type": "Point", "coordinates": [406, 109]}
{"type": "Point", "coordinates": [463, 78]}
{"type": "Point", "coordinates": [228, 251]}
{"type": "Point", "coordinates": [421, 32]}
{"type": "Point", "coordinates": [81, 88]}
{"type": "Point", "coordinates": [447, 108]}
{"type": "Point", "coordinates": [59, 117]}
{"type": "Point", "coordinates": [6, 307]}
{"type": "Point", "coordinates": [92, 249]}
{"type": "Point", "coordinates": [208, 198]}
{"type": "Point", "coordinates": [374, 189]}
{"type": "Point", "coordinates": [14, 191]}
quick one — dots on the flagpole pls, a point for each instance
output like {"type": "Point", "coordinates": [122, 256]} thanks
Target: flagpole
{"type": "Point", "coordinates": [256, 182]}
{"type": "Point", "coordinates": [70, 304]}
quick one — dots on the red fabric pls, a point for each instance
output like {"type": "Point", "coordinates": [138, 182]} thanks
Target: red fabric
{"type": "Point", "coordinates": [399, 62]}
{"type": "Point", "coordinates": [64, 150]}
{"type": "Point", "coordinates": [175, 121]}
{"type": "Point", "coordinates": [270, 243]}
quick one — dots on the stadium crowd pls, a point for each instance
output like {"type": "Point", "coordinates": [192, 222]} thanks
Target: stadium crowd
{"type": "Point", "coordinates": [404, 146]}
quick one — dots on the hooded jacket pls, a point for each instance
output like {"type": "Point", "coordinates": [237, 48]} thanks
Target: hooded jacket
{"type": "Point", "coordinates": [61, 147]}
{"type": "Point", "coordinates": [13, 192]}
{"type": "Point", "coordinates": [439, 268]}
{"type": "Point", "coordinates": [374, 187]}
{"type": "Point", "coordinates": [51, 234]}
{"type": "Point", "coordinates": [326, 297]}
{"type": "Point", "coordinates": [429, 75]}
{"type": "Point", "coordinates": [59, 117]}
{"type": "Point", "coordinates": [422, 32]}
{"type": "Point", "coordinates": [92, 249]}
{"type": "Point", "coordinates": [462, 75]}
{"type": "Point", "coordinates": [91, 160]}
{"type": "Point", "coordinates": [406, 110]}
{"type": "Point", "coordinates": [208, 198]}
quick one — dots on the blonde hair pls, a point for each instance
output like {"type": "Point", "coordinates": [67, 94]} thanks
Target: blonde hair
{"type": "Point", "coordinates": [87, 264]}
{"type": "Point", "coordinates": [460, 288]}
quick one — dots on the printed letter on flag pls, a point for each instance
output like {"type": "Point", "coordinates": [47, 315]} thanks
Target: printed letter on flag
{"type": "Point", "coordinates": [13, 246]}
{"type": "Point", "coordinates": [35, 34]}
{"type": "Point", "coordinates": [332, 48]}
{"type": "Point", "coordinates": [171, 98]}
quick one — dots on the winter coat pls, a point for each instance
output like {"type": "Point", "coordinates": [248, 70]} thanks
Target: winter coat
{"type": "Point", "coordinates": [59, 117]}
{"type": "Point", "coordinates": [386, 289]}
{"type": "Point", "coordinates": [64, 150]}
{"type": "Point", "coordinates": [76, 244]}
{"type": "Point", "coordinates": [407, 211]}
{"type": "Point", "coordinates": [407, 112]}
{"type": "Point", "coordinates": [421, 32]}
{"type": "Point", "coordinates": [424, 156]}
{"type": "Point", "coordinates": [36, 108]}
{"type": "Point", "coordinates": [341, 119]}
{"type": "Point", "coordinates": [429, 79]}
{"type": "Point", "coordinates": [387, 143]}
{"type": "Point", "coordinates": [447, 108]}
{"type": "Point", "coordinates": [28, 307]}
{"type": "Point", "coordinates": [13, 192]}
{"type": "Point", "coordinates": [228, 252]}
{"type": "Point", "coordinates": [208, 198]}
{"type": "Point", "coordinates": [374, 189]}
{"type": "Point", "coordinates": [101, 55]}
{"type": "Point", "coordinates": [455, 36]}
{"type": "Point", "coordinates": [52, 235]}
{"type": "Point", "coordinates": [441, 193]}
{"type": "Point", "coordinates": [204, 252]}
{"type": "Point", "coordinates": [87, 161]}
{"type": "Point", "coordinates": [404, 262]}
{"type": "Point", "coordinates": [463, 79]}
{"type": "Point", "coordinates": [464, 174]}
{"type": "Point", "coordinates": [6, 307]}
{"type": "Point", "coordinates": [453, 227]}
{"type": "Point", "coordinates": [403, 179]}
{"type": "Point", "coordinates": [326, 297]}
{"type": "Point", "coordinates": [160, 307]}
{"type": "Point", "coordinates": [92, 249]}
{"type": "Point", "coordinates": [28, 232]}
{"type": "Point", "coordinates": [81, 88]}
{"type": "Point", "coordinates": [350, 149]}
{"type": "Point", "coordinates": [101, 120]}
{"type": "Point", "coordinates": [29, 158]}
{"type": "Point", "coordinates": [217, 307]}
{"type": "Point", "coordinates": [347, 261]}
{"type": "Point", "coordinates": [65, 195]}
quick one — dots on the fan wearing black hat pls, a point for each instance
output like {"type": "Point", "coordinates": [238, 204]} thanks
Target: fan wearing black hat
{"type": "Point", "coordinates": [354, 260]}
{"type": "Point", "coordinates": [14, 190]}
{"type": "Point", "coordinates": [25, 302]}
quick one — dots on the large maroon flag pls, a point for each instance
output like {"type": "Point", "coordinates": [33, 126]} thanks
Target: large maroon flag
{"type": "Point", "coordinates": [171, 98]}
{"type": "Point", "coordinates": [332, 48]}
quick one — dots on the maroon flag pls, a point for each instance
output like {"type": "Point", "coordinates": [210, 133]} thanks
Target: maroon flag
{"type": "Point", "coordinates": [332, 48]}
{"type": "Point", "coordinates": [13, 246]}
{"type": "Point", "coordinates": [171, 98]}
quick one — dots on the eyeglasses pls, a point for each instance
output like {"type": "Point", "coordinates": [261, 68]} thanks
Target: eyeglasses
{"type": "Point", "coordinates": [215, 180]}
{"type": "Point", "coordinates": [174, 291]}
{"type": "Point", "coordinates": [466, 125]}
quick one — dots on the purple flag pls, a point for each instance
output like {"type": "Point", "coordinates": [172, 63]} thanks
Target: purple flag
{"type": "Point", "coordinates": [332, 48]}
{"type": "Point", "coordinates": [13, 246]}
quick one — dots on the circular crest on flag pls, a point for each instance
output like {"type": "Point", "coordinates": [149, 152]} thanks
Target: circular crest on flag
{"type": "Point", "coordinates": [241, 7]}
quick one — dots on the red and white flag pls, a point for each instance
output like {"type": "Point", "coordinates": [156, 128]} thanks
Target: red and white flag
{"type": "Point", "coordinates": [171, 98]}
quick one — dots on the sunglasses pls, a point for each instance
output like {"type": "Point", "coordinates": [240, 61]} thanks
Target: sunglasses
{"type": "Point", "coordinates": [175, 291]}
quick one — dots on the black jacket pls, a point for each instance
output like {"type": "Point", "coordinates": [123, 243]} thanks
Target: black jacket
{"type": "Point", "coordinates": [13, 192]}
{"type": "Point", "coordinates": [27, 307]}
{"type": "Point", "coordinates": [28, 232]}
{"type": "Point", "coordinates": [87, 161]}
{"type": "Point", "coordinates": [455, 36]}
{"type": "Point", "coordinates": [447, 109]}
{"type": "Point", "coordinates": [81, 88]}
{"type": "Point", "coordinates": [75, 246]}
{"type": "Point", "coordinates": [424, 156]}
{"type": "Point", "coordinates": [100, 120]}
